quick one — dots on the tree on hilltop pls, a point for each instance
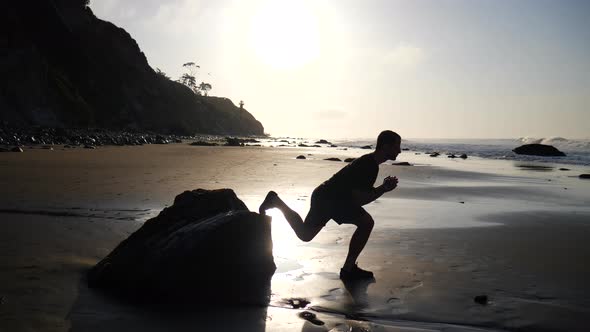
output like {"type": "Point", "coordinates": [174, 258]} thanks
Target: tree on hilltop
{"type": "Point", "coordinates": [190, 79]}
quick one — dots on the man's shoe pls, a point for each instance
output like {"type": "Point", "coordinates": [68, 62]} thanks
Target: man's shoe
{"type": "Point", "coordinates": [355, 273]}
{"type": "Point", "coordinates": [267, 203]}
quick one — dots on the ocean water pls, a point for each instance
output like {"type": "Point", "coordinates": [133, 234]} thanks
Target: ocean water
{"type": "Point", "coordinates": [577, 150]}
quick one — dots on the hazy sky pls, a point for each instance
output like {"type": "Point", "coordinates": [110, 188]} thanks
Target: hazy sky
{"type": "Point", "coordinates": [344, 68]}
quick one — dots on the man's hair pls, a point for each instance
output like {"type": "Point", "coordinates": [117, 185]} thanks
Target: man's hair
{"type": "Point", "coordinates": [387, 137]}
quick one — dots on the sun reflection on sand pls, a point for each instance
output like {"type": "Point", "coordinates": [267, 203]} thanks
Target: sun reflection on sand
{"type": "Point", "coordinates": [283, 238]}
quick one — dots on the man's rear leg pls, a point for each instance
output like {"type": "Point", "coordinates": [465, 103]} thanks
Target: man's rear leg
{"type": "Point", "coordinates": [305, 231]}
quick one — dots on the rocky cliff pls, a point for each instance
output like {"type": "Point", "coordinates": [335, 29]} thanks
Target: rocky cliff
{"type": "Point", "coordinates": [62, 66]}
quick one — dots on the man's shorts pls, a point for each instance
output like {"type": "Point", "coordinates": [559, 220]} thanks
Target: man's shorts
{"type": "Point", "coordinates": [326, 205]}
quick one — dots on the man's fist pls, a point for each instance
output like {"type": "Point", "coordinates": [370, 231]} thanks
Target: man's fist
{"type": "Point", "coordinates": [389, 183]}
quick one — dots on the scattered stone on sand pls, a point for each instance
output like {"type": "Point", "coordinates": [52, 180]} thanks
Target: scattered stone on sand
{"type": "Point", "coordinates": [203, 143]}
{"type": "Point", "coordinates": [297, 303]}
{"type": "Point", "coordinates": [310, 317]}
{"type": "Point", "coordinates": [17, 149]}
{"type": "Point", "coordinates": [233, 141]}
{"type": "Point", "coordinates": [301, 157]}
{"type": "Point", "coordinates": [539, 150]}
{"type": "Point", "coordinates": [435, 154]}
{"type": "Point", "coordinates": [417, 153]}
{"type": "Point", "coordinates": [205, 248]}
{"type": "Point", "coordinates": [349, 160]}
{"type": "Point", "coordinates": [402, 163]}
{"type": "Point", "coordinates": [463, 156]}
{"type": "Point", "coordinates": [564, 169]}
{"type": "Point", "coordinates": [333, 159]}
{"type": "Point", "coordinates": [584, 176]}
{"type": "Point", "coordinates": [322, 141]}
{"type": "Point", "coordinates": [481, 299]}
{"type": "Point", "coordinates": [367, 147]}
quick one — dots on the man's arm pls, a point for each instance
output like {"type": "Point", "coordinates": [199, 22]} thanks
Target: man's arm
{"type": "Point", "coordinates": [366, 197]}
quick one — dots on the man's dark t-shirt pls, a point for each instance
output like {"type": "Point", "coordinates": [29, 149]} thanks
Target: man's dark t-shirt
{"type": "Point", "coordinates": [333, 199]}
{"type": "Point", "coordinates": [358, 175]}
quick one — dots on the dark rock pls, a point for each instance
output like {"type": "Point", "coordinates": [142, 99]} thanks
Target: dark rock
{"type": "Point", "coordinates": [311, 317]}
{"type": "Point", "coordinates": [297, 303]}
{"type": "Point", "coordinates": [481, 299]}
{"type": "Point", "coordinates": [316, 146]}
{"type": "Point", "coordinates": [417, 153]}
{"type": "Point", "coordinates": [405, 149]}
{"type": "Point", "coordinates": [564, 169]}
{"type": "Point", "coordinates": [333, 146]}
{"type": "Point", "coordinates": [203, 143]}
{"type": "Point", "coordinates": [584, 176]}
{"type": "Point", "coordinates": [322, 141]}
{"type": "Point", "coordinates": [539, 150]}
{"type": "Point", "coordinates": [366, 147]}
{"type": "Point", "coordinates": [232, 141]}
{"type": "Point", "coordinates": [349, 160]}
{"type": "Point", "coordinates": [303, 145]}
{"type": "Point", "coordinates": [333, 159]}
{"type": "Point", "coordinates": [435, 154]}
{"type": "Point", "coordinates": [89, 147]}
{"type": "Point", "coordinates": [452, 156]}
{"type": "Point", "coordinates": [16, 149]}
{"type": "Point", "coordinates": [463, 156]}
{"type": "Point", "coordinates": [205, 248]}
{"type": "Point", "coordinates": [301, 157]}
{"type": "Point", "coordinates": [402, 163]}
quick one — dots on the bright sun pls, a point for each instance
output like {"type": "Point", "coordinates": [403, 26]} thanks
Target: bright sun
{"type": "Point", "coordinates": [285, 34]}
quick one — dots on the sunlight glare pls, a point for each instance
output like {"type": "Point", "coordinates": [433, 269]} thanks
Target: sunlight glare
{"type": "Point", "coordinates": [284, 33]}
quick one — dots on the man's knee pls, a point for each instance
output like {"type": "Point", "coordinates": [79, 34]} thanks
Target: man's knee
{"type": "Point", "coordinates": [309, 231]}
{"type": "Point", "coordinates": [366, 222]}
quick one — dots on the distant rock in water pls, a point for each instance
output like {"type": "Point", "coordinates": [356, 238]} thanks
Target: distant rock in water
{"type": "Point", "coordinates": [301, 157]}
{"type": "Point", "coordinates": [349, 160]}
{"type": "Point", "coordinates": [207, 247]}
{"type": "Point", "coordinates": [463, 156]}
{"type": "Point", "coordinates": [584, 176]}
{"type": "Point", "coordinates": [323, 141]}
{"type": "Point", "coordinates": [333, 159]}
{"type": "Point", "coordinates": [367, 147]}
{"type": "Point", "coordinates": [538, 150]}
{"type": "Point", "coordinates": [402, 163]}
{"type": "Point", "coordinates": [64, 67]}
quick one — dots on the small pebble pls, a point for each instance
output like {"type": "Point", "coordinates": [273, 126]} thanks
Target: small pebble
{"type": "Point", "coordinates": [481, 299]}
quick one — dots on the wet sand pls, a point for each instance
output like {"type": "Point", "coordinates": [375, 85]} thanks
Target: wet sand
{"type": "Point", "coordinates": [451, 231]}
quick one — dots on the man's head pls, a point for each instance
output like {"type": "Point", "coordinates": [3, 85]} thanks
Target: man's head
{"type": "Point", "coordinates": [389, 143]}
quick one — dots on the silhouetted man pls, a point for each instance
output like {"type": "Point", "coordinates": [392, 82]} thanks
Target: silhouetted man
{"type": "Point", "coordinates": [341, 198]}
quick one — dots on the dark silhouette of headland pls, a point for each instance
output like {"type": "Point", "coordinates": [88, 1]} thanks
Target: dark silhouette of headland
{"type": "Point", "coordinates": [64, 67]}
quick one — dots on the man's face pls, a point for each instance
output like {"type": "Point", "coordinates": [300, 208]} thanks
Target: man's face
{"type": "Point", "coordinates": [392, 150]}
